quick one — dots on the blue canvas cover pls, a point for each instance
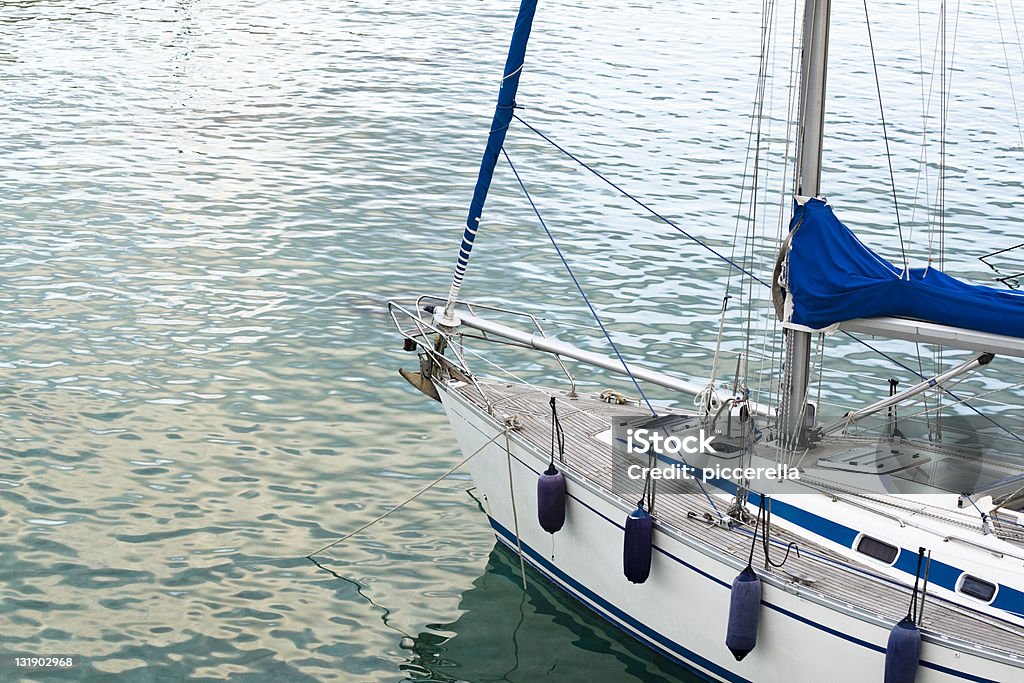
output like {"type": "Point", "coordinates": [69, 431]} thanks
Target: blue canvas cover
{"type": "Point", "coordinates": [833, 277]}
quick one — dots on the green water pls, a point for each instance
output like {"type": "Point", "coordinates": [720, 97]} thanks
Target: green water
{"type": "Point", "coordinates": [204, 206]}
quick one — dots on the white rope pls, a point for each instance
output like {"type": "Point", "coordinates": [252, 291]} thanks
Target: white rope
{"type": "Point", "coordinates": [707, 400]}
{"type": "Point", "coordinates": [515, 514]}
{"type": "Point", "coordinates": [410, 498]}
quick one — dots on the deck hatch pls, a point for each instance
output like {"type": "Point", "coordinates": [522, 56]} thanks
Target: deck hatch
{"type": "Point", "coordinates": [879, 550]}
{"type": "Point", "coordinates": [977, 588]}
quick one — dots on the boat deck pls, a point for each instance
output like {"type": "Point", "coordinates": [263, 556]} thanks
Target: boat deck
{"type": "Point", "coordinates": [817, 568]}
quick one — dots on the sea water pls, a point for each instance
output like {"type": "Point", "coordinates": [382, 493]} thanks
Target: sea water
{"type": "Point", "coordinates": [205, 205]}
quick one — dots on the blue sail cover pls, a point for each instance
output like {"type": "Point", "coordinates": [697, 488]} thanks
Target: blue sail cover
{"type": "Point", "coordinates": [833, 277]}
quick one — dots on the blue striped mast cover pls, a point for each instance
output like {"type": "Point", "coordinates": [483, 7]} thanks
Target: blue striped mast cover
{"type": "Point", "coordinates": [502, 118]}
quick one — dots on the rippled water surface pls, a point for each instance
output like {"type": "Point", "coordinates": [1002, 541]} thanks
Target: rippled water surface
{"type": "Point", "coordinates": [205, 205]}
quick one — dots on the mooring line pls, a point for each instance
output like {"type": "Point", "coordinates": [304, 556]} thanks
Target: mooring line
{"type": "Point", "coordinates": [385, 612]}
{"type": "Point", "coordinates": [410, 498]}
{"type": "Point", "coordinates": [515, 513]}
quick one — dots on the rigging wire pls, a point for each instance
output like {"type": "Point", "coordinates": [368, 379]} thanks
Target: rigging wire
{"type": "Point", "coordinates": [938, 210]}
{"type": "Point", "coordinates": [776, 352]}
{"type": "Point", "coordinates": [922, 171]}
{"type": "Point", "coordinates": [926, 99]}
{"type": "Point", "coordinates": [733, 264]}
{"type": "Point", "coordinates": [640, 202]}
{"type": "Point", "coordinates": [885, 136]}
{"type": "Point", "coordinates": [754, 141]}
{"type": "Point", "coordinates": [946, 94]}
{"type": "Point", "coordinates": [749, 252]}
{"type": "Point", "coordinates": [1016, 31]}
{"type": "Point", "coordinates": [706, 400]}
{"type": "Point", "coordinates": [579, 287]}
{"type": "Point", "coordinates": [754, 128]}
{"type": "Point", "coordinates": [821, 371]}
{"type": "Point", "coordinates": [1009, 74]}
{"type": "Point", "coordinates": [940, 198]}
{"type": "Point", "coordinates": [941, 191]}
{"type": "Point", "coordinates": [922, 168]}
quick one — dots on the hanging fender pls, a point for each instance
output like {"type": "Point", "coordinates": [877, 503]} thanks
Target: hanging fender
{"type": "Point", "coordinates": [744, 613]}
{"type": "Point", "coordinates": [551, 495]}
{"type": "Point", "coordinates": [638, 544]}
{"type": "Point", "coordinates": [903, 652]}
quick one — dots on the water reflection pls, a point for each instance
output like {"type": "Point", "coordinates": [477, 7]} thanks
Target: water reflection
{"type": "Point", "coordinates": [506, 635]}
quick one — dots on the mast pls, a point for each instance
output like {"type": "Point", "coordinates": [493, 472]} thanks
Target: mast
{"type": "Point", "coordinates": [810, 124]}
{"type": "Point", "coordinates": [503, 112]}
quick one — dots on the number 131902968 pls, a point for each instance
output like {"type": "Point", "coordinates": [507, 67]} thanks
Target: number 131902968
{"type": "Point", "coordinates": [35, 662]}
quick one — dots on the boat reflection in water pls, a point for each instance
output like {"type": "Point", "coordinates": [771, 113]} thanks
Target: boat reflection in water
{"type": "Point", "coordinates": [506, 635]}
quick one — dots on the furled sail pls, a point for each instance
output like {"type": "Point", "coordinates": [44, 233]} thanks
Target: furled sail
{"type": "Point", "coordinates": [833, 277]}
{"type": "Point", "coordinates": [503, 113]}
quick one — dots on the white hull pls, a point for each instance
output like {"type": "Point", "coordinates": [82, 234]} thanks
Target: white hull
{"type": "Point", "coordinates": [682, 609]}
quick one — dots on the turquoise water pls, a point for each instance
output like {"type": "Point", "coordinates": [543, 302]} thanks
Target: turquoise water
{"type": "Point", "coordinates": [205, 205]}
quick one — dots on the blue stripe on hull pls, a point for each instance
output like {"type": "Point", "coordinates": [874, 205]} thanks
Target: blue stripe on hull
{"type": "Point", "coordinates": [663, 643]}
{"type": "Point", "coordinates": [940, 573]}
{"type": "Point", "coordinates": [615, 615]}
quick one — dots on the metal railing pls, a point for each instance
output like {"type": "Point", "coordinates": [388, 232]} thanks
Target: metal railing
{"type": "Point", "coordinates": [424, 327]}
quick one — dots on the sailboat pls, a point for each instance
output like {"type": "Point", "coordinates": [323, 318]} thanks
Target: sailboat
{"type": "Point", "coordinates": [753, 540]}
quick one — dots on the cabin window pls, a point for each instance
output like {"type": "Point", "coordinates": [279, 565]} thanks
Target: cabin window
{"type": "Point", "coordinates": [977, 588]}
{"type": "Point", "coordinates": [879, 550]}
